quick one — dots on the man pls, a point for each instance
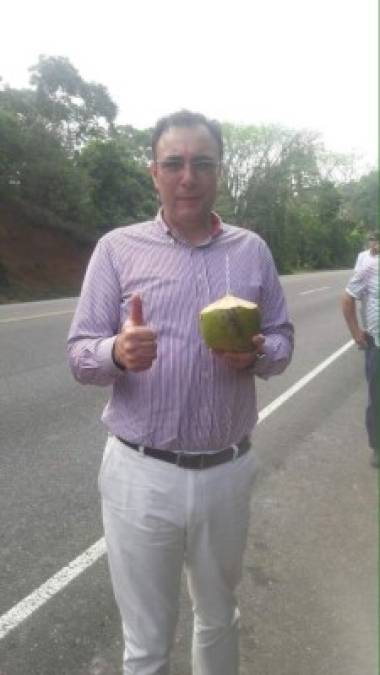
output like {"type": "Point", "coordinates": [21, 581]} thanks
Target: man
{"type": "Point", "coordinates": [364, 286]}
{"type": "Point", "coordinates": [177, 469]}
{"type": "Point", "coordinates": [363, 257]}
{"type": "Point", "coordinates": [370, 251]}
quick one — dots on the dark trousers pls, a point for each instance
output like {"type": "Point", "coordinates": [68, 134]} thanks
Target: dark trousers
{"type": "Point", "coordinates": [371, 371]}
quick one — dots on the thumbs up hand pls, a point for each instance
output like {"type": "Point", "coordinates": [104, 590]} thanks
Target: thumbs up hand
{"type": "Point", "coordinates": [135, 347]}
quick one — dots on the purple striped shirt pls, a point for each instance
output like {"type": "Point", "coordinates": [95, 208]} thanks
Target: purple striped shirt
{"type": "Point", "coordinates": [189, 400]}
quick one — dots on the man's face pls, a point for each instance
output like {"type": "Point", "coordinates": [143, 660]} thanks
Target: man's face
{"type": "Point", "coordinates": [185, 174]}
{"type": "Point", "coordinates": [374, 246]}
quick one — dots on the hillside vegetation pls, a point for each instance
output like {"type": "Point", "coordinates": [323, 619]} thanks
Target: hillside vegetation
{"type": "Point", "coordinates": [38, 262]}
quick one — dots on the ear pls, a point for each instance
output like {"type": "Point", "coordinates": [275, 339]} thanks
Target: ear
{"type": "Point", "coordinates": [153, 173]}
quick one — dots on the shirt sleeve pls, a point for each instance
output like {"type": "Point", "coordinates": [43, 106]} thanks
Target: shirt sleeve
{"type": "Point", "coordinates": [357, 286]}
{"type": "Point", "coordinates": [96, 321]}
{"type": "Point", "coordinates": [275, 324]}
{"type": "Point", "coordinates": [359, 260]}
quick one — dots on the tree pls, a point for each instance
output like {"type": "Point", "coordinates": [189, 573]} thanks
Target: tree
{"type": "Point", "coordinates": [34, 166]}
{"type": "Point", "coordinates": [136, 143]}
{"type": "Point", "coordinates": [11, 153]}
{"type": "Point", "coordinates": [121, 189]}
{"type": "Point", "coordinates": [61, 152]}
{"type": "Point", "coordinates": [74, 109]}
{"type": "Point", "coordinates": [360, 201]}
{"type": "Point", "coordinates": [280, 183]}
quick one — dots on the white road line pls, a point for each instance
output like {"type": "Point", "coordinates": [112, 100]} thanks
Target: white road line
{"type": "Point", "coordinates": [269, 409]}
{"type": "Point", "coordinates": [51, 587]}
{"type": "Point", "coordinates": [56, 583]}
{"type": "Point", "coordinates": [36, 316]}
{"type": "Point", "coordinates": [315, 290]}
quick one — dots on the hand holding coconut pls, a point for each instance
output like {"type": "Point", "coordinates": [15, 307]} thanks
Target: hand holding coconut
{"type": "Point", "coordinates": [135, 347]}
{"type": "Point", "coordinates": [231, 328]}
{"type": "Point", "coordinates": [243, 360]}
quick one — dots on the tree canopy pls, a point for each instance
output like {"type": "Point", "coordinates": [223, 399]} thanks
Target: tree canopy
{"type": "Point", "coordinates": [62, 153]}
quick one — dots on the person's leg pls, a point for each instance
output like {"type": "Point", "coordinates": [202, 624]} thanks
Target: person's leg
{"type": "Point", "coordinates": [141, 504]}
{"type": "Point", "coordinates": [216, 541]}
{"type": "Point", "coordinates": [371, 367]}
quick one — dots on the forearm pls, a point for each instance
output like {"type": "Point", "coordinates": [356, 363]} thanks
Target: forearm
{"type": "Point", "coordinates": [350, 315]}
{"type": "Point", "coordinates": [275, 325]}
{"type": "Point", "coordinates": [96, 323]}
{"type": "Point", "coordinates": [91, 361]}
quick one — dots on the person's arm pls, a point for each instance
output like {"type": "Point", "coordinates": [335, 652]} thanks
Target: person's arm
{"type": "Point", "coordinates": [350, 315]}
{"type": "Point", "coordinates": [276, 327]}
{"type": "Point", "coordinates": [356, 290]}
{"type": "Point", "coordinates": [360, 260]}
{"type": "Point", "coordinates": [96, 321]}
{"type": "Point", "coordinates": [100, 349]}
{"type": "Point", "coordinates": [273, 348]}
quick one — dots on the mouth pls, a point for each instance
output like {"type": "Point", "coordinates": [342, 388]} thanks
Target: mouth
{"type": "Point", "coordinates": [189, 199]}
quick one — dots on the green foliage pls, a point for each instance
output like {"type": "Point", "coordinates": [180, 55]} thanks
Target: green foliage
{"type": "Point", "coordinates": [76, 110]}
{"type": "Point", "coordinates": [136, 143]}
{"type": "Point", "coordinates": [35, 168]}
{"type": "Point", "coordinates": [361, 200]}
{"type": "Point", "coordinates": [279, 183]}
{"type": "Point", "coordinates": [11, 153]}
{"type": "Point", "coordinates": [66, 161]}
{"type": "Point", "coordinates": [120, 189]}
{"type": "Point", "coordinates": [225, 204]}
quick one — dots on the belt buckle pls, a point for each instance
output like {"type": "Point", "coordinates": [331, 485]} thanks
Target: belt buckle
{"type": "Point", "coordinates": [181, 460]}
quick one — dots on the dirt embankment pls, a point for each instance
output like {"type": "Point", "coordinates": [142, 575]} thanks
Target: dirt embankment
{"type": "Point", "coordinates": [37, 262]}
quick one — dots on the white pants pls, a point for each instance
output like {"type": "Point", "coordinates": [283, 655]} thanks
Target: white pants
{"type": "Point", "coordinates": [158, 518]}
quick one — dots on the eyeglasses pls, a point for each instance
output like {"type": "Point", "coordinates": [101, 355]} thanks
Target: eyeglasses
{"type": "Point", "coordinates": [200, 165]}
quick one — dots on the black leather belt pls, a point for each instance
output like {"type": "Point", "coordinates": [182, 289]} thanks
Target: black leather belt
{"type": "Point", "coordinates": [190, 460]}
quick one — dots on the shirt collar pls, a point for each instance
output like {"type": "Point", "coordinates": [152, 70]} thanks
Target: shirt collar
{"type": "Point", "coordinates": [215, 222]}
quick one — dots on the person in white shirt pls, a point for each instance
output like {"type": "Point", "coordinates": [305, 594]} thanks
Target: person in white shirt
{"type": "Point", "coordinates": [364, 286]}
{"type": "Point", "coordinates": [364, 256]}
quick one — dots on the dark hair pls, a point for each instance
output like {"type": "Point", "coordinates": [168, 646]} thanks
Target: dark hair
{"type": "Point", "coordinates": [186, 118]}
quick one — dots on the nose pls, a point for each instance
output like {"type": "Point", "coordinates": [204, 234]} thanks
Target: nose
{"type": "Point", "coordinates": [188, 173]}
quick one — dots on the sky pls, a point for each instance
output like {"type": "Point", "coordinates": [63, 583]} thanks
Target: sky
{"type": "Point", "coordinates": [303, 64]}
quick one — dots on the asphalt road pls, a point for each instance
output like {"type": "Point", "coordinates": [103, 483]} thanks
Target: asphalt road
{"type": "Point", "coordinates": [309, 591]}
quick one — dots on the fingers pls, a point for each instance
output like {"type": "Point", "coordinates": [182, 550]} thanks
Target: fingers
{"type": "Point", "coordinates": [362, 341]}
{"type": "Point", "coordinates": [360, 337]}
{"type": "Point", "coordinates": [139, 343]}
{"type": "Point", "coordinates": [243, 360]}
{"type": "Point", "coordinates": [238, 360]}
{"type": "Point", "coordinates": [258, 342]}
{"type": "Point", "coordinates": [136, 348]}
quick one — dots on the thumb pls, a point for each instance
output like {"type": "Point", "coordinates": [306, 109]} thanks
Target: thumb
{"type": "Point", "coordinates": [136, 315]}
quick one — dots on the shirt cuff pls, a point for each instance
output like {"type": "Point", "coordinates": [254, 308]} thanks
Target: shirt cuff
{"type": "Point", "coordinates": [118, 365]}
{"type": "Point", "coordinates": [104, 355]}
{"type": "Point", "coordinates": [273, 360]}
{"type": "Point", "coordinates": [355, 296]}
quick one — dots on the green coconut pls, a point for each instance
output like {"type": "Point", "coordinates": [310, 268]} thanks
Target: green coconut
{"type": "Point", "coordinates": [229, 324]}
